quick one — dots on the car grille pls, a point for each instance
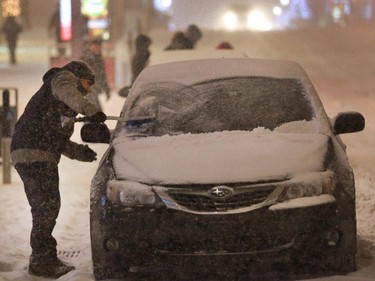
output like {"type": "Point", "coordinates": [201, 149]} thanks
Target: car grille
{"type": "Point", "coordinates": [198, 201]}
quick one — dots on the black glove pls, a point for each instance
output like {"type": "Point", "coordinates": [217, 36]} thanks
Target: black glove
{"type": "Point", "coordinates": [98, 117]}
{"type": "Point", "coordinates": [86, 154]}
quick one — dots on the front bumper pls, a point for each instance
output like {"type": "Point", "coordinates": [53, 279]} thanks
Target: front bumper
{"type": "Point", "coordinates": [163, 238]}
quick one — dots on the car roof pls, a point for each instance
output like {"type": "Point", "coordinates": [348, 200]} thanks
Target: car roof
{"type": "Point", "coordinates": [195, 71]}
{"type": "Point", "coordinates": [167, 56]}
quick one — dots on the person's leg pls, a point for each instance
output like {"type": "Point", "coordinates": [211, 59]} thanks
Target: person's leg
{"type": "Point", "coordinates": [61, 49]}
{"type": "Point", "coordinates": [12, 51]}
{"type": "Point", "coordinates": [41, 182]}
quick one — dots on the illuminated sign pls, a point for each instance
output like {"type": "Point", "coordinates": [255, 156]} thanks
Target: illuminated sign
{"type": "Point", "coordinates": [96, 12]}
{"type": "Point", "coordinates": [66, 20]}
{"type": "Point", "coordinates": [94, 8]}
{"type": "Point", "coordinates": [11, 8]}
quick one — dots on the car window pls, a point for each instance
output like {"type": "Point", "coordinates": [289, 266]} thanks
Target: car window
{"type": "Point", "coordinates": [241, 103]}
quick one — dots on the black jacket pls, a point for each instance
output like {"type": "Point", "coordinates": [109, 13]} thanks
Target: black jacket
{"type": "Point", "coordinates": [40, 134]}
{"type": "Point", "coordinates": [11, 29]}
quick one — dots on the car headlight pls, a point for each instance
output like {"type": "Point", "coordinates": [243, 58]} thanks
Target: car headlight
{"type": "Point", "coordinates": [131, 194]}
{"type": "Point", "coordinates": [314, 184]}
{"type": "Point", "coordinates": [230, 21]}
{"type": "Point", "coordinates": [257, 20]}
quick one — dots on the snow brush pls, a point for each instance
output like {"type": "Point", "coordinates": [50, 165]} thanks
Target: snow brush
{"type": "Point", "coordinates": [87, 119]}
{"type": "Point", "coordinates": [99, 132]}
{"type": "Point", "coordinates": [132, 121]}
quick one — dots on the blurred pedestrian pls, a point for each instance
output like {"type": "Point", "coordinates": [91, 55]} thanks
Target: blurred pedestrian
{"type": "Point", "coordinates": [54, 30]}
{"type": "Point", "coordinates": [85, 28]}
{"type": "Point", "coordinates": [11, 29]}
{"type": "Point", "coordinates": [187, 40]}
{"type": "Point", "coordinates": [193, 34]}
{"type": "Point", "coordinates": [41, 135]}
{"type": "Point", "coordinates": [179, 42]}
{"type": "Point", "coordinates": [92, 55]}
{"type": "Point", "coordinates": [142, 54]}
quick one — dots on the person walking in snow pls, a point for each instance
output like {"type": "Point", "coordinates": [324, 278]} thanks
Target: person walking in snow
{"type": "Point", "coordinates": [179, 42]}
{"type": "Point", "coordinates": [142, 54]}
{"type": "Point", "coordinates": [92, 55]}
{"type": "Point", "coordinates": [41, 135]}
{"type": "Point", "coordinates": [54, 30]}
{"type": "Point", "coordinates": [11, 29]}
{"type": "Point", "coordinates": [187, 40]}
{"type": "Point", "coordinates": [139, 60]}
{"type": "Point", "coordinates": [193, 34]}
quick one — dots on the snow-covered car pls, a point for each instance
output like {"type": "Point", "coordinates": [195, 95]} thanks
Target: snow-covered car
{"type": "Point", "coordinates": [162, 56]}
{"type": "Point", "coordinates": [224, 166]}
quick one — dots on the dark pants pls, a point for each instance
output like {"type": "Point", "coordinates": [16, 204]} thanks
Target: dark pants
{"type": "Point", "coordinates": [12, 45]}
{"type": "Point", "coordinates": [41, 182]}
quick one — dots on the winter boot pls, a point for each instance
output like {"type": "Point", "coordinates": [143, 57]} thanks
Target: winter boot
{"type": "Point", "coordinates": [53, 269]}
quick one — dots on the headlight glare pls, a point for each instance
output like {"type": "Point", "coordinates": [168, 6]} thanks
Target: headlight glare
{"type": "Point", "coordinates": [131, 194]}
{"type": "Point", "coordinates": [257, 20]}
{"type": "Point", "coordinates": [230, 20]}
{"type": "Point", "coordinates": [309, 185]}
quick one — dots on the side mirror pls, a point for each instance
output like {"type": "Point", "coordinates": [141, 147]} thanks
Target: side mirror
{"type": "Point", "coordinates": [95, 133]}
{"type": "Point", "coordinates": [348, 122]}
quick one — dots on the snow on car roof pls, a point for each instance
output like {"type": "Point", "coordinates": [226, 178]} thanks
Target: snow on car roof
{"type": "Point", "coordinates": [192, 54]}
{"type": "Point", "coordinates": [194, 71]}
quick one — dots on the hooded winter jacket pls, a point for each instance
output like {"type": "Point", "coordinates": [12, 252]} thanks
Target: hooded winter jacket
{"type": "Point", "coordinates": [41, 134]}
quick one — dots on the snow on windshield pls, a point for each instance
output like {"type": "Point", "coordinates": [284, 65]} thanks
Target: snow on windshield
{"type": "Point", "coordinates": [178, 133]}
{"type": "Point", "coordinates": [241, 103]}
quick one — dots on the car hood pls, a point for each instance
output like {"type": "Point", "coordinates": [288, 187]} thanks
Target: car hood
{"type": "Point", "coordinates": [220, 157]}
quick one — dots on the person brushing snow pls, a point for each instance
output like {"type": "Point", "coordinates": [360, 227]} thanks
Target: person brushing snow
{"type": "Point", "coordinates": [41, 135]}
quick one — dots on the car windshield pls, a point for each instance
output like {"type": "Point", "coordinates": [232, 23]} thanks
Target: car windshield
{"type": "Point", "coordinates": [241, 103]}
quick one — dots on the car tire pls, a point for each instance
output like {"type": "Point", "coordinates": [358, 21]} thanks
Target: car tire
{"type": "Point", "coordinates": [345, 258]}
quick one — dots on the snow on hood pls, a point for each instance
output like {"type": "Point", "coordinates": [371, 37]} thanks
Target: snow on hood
{"type": "Point", "coordinates": [219, 157]}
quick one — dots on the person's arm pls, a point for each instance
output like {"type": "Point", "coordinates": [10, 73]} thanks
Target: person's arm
{"type": "Point", "coordinates": [64, 88]}
{"type": "Point", "coordinates": [80, 152]}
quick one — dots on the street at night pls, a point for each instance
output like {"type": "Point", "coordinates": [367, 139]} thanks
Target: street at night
{"type": "Point", "coordinates": [339, 59]}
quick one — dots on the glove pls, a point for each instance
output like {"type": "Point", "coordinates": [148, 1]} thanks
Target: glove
{"type": "Point", "coordinates": [86, 154]}
{"type": "Point", "coordinates": [98, 117]}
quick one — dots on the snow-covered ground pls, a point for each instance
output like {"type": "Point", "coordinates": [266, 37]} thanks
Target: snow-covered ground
{"type": "Point", "coordinates": [341, 64]}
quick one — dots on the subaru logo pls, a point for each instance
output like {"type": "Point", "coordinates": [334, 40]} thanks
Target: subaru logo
{"type": "Point", "coordinates": [220, 192]}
